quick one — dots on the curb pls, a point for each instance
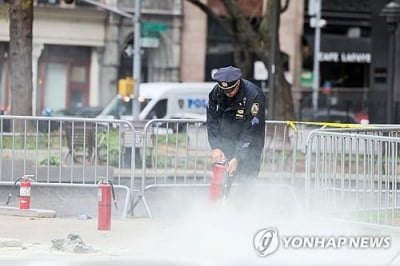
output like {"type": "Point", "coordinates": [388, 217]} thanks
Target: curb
{"type": "Point", "coordinates": [37, 213]}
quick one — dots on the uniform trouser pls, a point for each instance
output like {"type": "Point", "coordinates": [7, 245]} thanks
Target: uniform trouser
{"type": "Point", "coordinates": [244, 177]}
{"type": "Point", "coordinates": [247, 171]}
{"type": "Point", "coordinates": [248, 167]}
{"type": "Point", "coordinates": [242, 195]}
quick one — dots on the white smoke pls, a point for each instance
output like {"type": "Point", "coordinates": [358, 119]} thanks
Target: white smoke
{"type": "Point", "coordinates": [206, 233]}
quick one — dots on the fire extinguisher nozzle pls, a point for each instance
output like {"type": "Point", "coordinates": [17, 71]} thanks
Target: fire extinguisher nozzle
{"type": "Point", "coordinates": [8, 198]}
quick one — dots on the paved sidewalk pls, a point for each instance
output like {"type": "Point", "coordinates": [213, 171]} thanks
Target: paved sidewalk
{"type": "Point", "coordinates": [205, 237]}
{"type": "Point", "coordinates": [128, 240]}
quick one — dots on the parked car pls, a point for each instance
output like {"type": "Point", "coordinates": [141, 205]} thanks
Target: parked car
{"type": "Point", "coordinates": [329, 115]}
{"type": "Point", "coordinates": [85, 111]}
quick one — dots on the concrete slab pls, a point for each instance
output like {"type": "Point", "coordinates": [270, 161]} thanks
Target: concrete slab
{"type": "Point", "coordinates": [10, 243]}
{"type": "Point", "coordinates": [36, 213]}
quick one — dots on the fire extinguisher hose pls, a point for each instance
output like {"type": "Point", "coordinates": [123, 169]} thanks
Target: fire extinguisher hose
{"type": "Point", "coordinates": [9, 196]}
{"type": "Point", "coordinates": [228, 186]}
{"type": "Point", "coordinates": [227, 182]}
{"type": "Point", "coordinates": [113, 194]}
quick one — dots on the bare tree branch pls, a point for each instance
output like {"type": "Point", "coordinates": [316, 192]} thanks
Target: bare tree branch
{"type": "Point", "coordinates": [285, 6]}
{"type": "Point", "coordinates": [247, 35]}
{"type": "Point", "coordinates": [224, 24]}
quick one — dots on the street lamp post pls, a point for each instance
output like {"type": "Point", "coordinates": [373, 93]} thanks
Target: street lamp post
{"type": "Point", "coordinates": [136, 60]}
{"type": "Point", "coordinates": [391, 12]}
{"type": "Point", "coordinates": [272, 67]}
{"type": "Point", "coordinates": [317, 43]}
{"type": "Point", "coordinates": [314, 11]}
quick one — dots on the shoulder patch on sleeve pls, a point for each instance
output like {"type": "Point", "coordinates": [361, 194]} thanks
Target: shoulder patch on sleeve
{"type": "Point", "coordinates": [255, 121]}
{"type": "Point", "coordinates": [254, 109]}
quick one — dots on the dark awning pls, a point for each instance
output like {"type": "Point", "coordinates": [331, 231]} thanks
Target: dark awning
{"type": "Point", "coordinates": [336, 43]}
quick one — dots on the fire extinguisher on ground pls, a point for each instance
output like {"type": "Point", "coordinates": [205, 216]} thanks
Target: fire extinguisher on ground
{"type": "Point", "coordinates": [105, 192]}
{"type": "Point", "coordinates": [25, 184]}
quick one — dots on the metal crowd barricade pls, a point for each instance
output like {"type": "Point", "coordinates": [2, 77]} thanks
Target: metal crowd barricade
{"type": "Point", "coordinates": [353, 173]}
{"type": "Point", "coordinates": [180, 155]}
{"type": "Point", "coordinates": [66, 151]}
{"type": "Point", "coordinates": [175, 153]}
{"type": "Point", "coordinates": [283, 158]}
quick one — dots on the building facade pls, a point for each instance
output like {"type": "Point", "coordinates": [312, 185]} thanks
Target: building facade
{"type": "Point", "coordinates": [359, 62]}
{"type": "Point", "coordinates": [81, 51]}
{"type": "Point", "coordinates": [344, 57]}
{"type": "Point", "coordinates": [384, 93]}
{"type": "Point", "coordinates": [65, 43]}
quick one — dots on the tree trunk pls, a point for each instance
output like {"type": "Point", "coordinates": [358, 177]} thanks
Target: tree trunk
{"type": "Point", "coordinates": [284, 109]}
{"type": "Point", "coordinates": [242, 56]}
{"type": "Point", "coordinates": [283, 96]}
{"type": "Point", "coordinates": [20, 56]}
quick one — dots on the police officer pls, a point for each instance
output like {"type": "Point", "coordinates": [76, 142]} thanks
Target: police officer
{"type": "Point", "coordinates": [236, 123]}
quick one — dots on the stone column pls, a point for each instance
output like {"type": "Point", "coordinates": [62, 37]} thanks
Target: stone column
{"type": "Point", "coordinates": [94, 77]}
{"type": "Point", "coordinates": [37, 49]}
{"type": "Point", "coordinates": [109, 61]}
{"type": "Point", "coordinates": [194, 42]}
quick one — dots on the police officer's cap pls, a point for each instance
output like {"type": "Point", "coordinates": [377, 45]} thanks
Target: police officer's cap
{"type": "Point", "coordinates": [227, 77]}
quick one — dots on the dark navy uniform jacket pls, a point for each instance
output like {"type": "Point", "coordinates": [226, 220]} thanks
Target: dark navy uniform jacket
{"type": "Point", "coordinates": [237, 126]}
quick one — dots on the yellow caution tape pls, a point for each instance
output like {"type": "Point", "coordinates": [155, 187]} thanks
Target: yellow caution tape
{"type": "Point", "coordinates": [292, 124]}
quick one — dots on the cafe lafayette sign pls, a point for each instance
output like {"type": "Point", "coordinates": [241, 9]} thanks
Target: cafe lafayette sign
{"type": "Point", "coordinates": [343, 57]}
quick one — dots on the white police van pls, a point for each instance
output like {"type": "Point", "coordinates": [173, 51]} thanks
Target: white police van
{"type": "Point", "coordinates": [163, 100]}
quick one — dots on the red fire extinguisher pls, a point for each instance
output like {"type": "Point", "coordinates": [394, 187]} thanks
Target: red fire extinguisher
{"type": "Point", "coordinates": [25, 192]}
{"type": "Point", "coordinates": [216, 190]}
{"type": "Point", "coordinates": [105, 191]}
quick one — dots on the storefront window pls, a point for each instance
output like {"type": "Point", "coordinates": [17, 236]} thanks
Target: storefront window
{"type": "Point", "coordinates": [55, 86]}
{"type": "Point", "coordinates": [78, 74]}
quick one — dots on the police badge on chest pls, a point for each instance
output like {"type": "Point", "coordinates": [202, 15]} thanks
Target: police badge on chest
{"type": "Point", "coordinates": [239, 114]}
